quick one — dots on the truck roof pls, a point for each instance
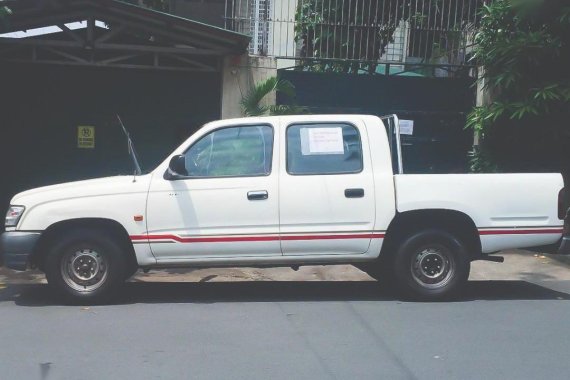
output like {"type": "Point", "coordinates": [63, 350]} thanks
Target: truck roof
{"type": "Point", "coordinates": [292, 118]}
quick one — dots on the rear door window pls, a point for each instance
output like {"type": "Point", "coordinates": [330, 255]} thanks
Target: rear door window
{"type": "Point", "coordinates": [328, 148]}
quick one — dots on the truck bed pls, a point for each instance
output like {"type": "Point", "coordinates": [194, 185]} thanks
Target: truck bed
{"type": "Point", "coordinates": [509, 210]}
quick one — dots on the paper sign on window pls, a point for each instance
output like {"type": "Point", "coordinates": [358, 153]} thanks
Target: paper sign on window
{"type": "Point", "coordinates": [322, 141]}
{"type": "Point", "coordinates": [406, 127]}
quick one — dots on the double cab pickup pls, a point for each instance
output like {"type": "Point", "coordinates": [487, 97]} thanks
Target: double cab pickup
{"type": "Point", "coordinates": [281, 191]}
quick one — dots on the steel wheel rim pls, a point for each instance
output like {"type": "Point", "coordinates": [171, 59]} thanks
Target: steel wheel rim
{"type": "Point", "coordinates": [84, 270]}
{"type": "Point", "coordinates": [433, 266]}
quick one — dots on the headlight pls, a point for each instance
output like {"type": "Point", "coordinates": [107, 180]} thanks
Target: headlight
{"type": "Point", "coordinates": [13, 215]}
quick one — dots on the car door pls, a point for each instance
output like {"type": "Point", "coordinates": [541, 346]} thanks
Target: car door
{"type": "Point", "coordinates": [327, 203]}
{"type": "Point", "coordinates": [226, 205]}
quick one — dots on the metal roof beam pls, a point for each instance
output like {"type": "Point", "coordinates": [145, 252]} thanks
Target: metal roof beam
{"type": "Point", "coordinates": [38, 42]}
{"type": "Point", "coordinates": [64, 54]}
{"type": "Point", "coordinates": [109, 46]}
{"type": "Point", "coordinates": [173, 36]}
{"type": "Point", "coordinates": [115, 31]}
{"type": "Point", "coordinates": [70, 33]}
{"type": "Point", "coordinates": [88, 57]}
{"type": "Point", "coordinates": [194, 28]}
{"type": "Point", "coordinates": [120, 58]}
{"type": "Point", "coordinates": [122, 66]}
{"type": "Point", "coordinates": [158, 49]}
{"type": "Point", "coordinates": [189, 61]}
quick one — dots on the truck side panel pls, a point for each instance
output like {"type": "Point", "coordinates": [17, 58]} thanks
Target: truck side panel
{"type": "Point", "coordinates": [509, 210]}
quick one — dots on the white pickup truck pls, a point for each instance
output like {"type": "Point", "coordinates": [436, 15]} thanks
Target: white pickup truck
{"type": "Point", "coordinates": [281, 191]}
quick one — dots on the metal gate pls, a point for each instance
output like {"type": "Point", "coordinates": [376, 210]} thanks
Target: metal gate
{"type": "Point", "coordinates": [437, 142]}
{"type": "Point", "coordinates": [358, 35]}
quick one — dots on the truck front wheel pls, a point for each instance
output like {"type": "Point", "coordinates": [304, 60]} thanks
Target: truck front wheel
{"type": "Point", "coordinates": [85, 266]}
{"type": "Point", "coordinates": [431, 265]}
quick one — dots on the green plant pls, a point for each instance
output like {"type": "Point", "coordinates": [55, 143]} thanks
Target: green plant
{"type": "Point", "coordinates": [524, 48]}
{"type": "Point", "coordinates": [480, 161]}
{"type": "Point", "coordinates": [251, 103]}
{"type": "Point", "coordinates": [519, 50]}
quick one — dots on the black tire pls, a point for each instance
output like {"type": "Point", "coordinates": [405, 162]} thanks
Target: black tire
{"type": "Point", "coordinates": [431, 265]}
{"type": "Point", "coordinates": [77, 256]}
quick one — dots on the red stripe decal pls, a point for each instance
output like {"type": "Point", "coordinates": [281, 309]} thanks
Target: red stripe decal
{"type": "Point", "coordinates": [210, 239]}
{"type": "Point", "coordinates": [232, 239]}
{"type": "Point", "coordinates": [522, 232]}
{"type": "Point", "coordinates": [333, 237]}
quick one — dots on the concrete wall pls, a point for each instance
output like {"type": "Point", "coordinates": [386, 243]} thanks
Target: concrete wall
{"type": "Point", "coordinates": [483, 98]}
{"type": "Point", "coordinates": [239, 75]}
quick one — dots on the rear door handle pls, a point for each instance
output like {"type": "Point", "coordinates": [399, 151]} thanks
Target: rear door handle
{"type": "Point", "coordinates": [257, 195]}
{"type": "Point", "coordinates": [354, 193]}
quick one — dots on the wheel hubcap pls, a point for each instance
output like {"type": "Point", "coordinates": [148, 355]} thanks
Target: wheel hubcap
{"type": "Point", "coordinates": [433, 266]}
{"type": "Point", "coordinates": [84, 270]}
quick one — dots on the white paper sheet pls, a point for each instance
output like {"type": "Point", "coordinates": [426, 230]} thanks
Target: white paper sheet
{"type": "Point", "coordinates": [322, 141]}
{"type": "Point", "coordinates": [406, 127]}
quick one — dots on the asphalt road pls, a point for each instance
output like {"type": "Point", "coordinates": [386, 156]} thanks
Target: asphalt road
{"type": "Point", "coordinates": [512, 323]}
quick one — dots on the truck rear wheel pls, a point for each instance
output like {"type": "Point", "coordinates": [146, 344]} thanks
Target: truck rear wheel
{"type": "Point", "coordinates": [85, 266]}
{"type": "Point", "coordinates": [431, 265]}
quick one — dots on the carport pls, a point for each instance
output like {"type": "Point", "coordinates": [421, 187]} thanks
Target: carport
{"type": "Point", "coordinates": [76, 63]}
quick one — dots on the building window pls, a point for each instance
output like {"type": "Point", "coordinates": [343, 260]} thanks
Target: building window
{"type": "Point", "coordinates": [260, 31]}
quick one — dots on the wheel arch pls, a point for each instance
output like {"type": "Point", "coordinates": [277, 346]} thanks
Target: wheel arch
{"type": "Point", "coordinates": [455, 222]}
{"type": "Point", "coordinates": [109, 226]}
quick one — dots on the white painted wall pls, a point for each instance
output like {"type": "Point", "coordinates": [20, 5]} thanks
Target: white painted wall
{"type": "Point", "coordinates": [239, 75]}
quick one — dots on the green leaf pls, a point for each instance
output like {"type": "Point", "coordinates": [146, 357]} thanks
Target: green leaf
{"type": "Point", "coordinates": [251, 102]}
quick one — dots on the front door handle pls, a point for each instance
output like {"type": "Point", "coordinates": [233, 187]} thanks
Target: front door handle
{"type": "Point", "coordinates": [354, 193]}
{"type": "Point", "coordinates": [257, 195]}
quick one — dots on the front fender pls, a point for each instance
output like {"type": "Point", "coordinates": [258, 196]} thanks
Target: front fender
{"type": "Point", "coordinates": [121, 208]}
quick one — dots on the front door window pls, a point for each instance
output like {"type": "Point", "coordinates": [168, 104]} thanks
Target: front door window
{"type": "Point", "coordinates": [243, 151]}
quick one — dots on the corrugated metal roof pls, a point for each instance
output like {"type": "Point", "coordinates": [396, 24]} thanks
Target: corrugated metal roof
{"type": "Point", "coordinates": [31, 14]}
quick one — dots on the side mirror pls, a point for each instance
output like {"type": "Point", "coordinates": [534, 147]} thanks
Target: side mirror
{"type": "Point", "coordinates": [177, 166]}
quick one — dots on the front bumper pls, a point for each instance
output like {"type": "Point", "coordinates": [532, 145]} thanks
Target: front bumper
{"type": "Point", "coordinates": [16, 248]}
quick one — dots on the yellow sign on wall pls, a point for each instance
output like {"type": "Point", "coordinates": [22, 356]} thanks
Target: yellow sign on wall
{"type": "Point", "coordinates": [86, 137]}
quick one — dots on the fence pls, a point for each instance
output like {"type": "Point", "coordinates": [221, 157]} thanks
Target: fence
{"type": "Point", "coordinates": [365, 32]}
